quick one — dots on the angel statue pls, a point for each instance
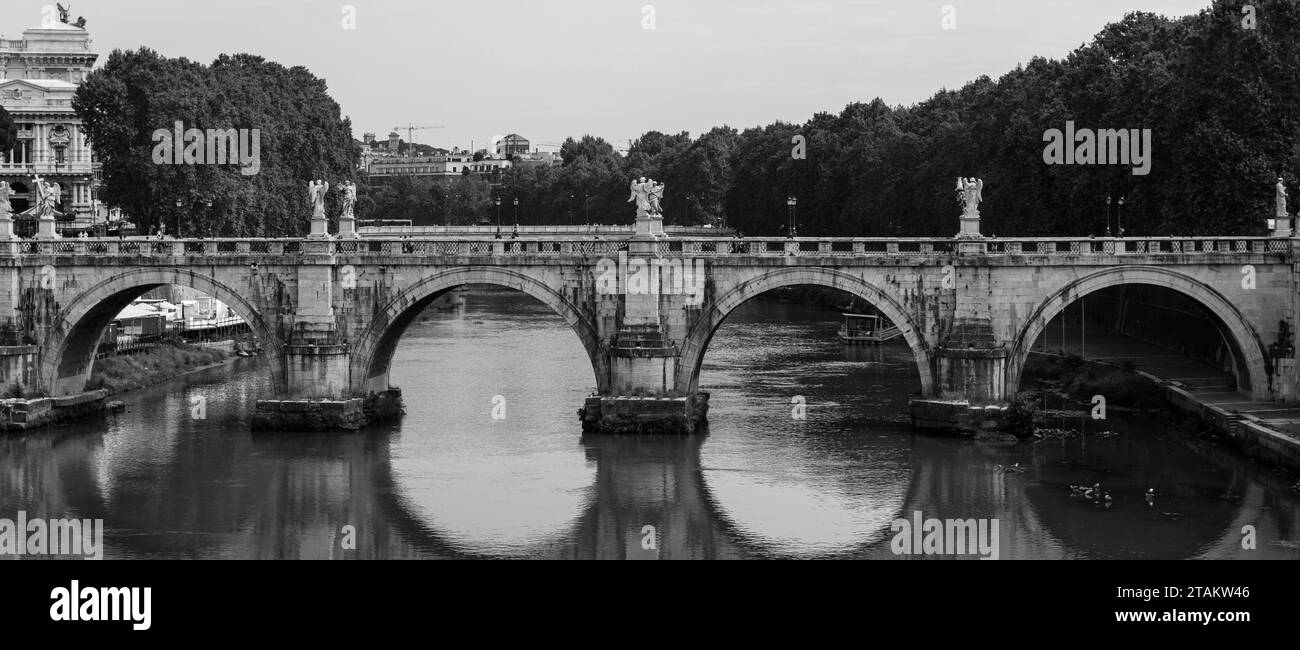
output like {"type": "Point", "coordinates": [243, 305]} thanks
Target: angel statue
{"type": "Point", "coordinates": [1281, 200]}
{"type": "Point", "coordinates": [316, 194]}
{"type": "Point", "coordinates": [641, 190]}
{"type": "Point", "coordinates": [47, 198]}
{"type": "Point", "coordinates": [5, 207]}
{"type": "Point", "coordinates": [656, 194]}
{"type": "Point", "coordinates": [349, 199]}
{"type": "Point", "coordinates": [970, 192]}
{"type": "Point", "coordinates": [63, 12]}
{"type": "Point", "coordinates": [53, 193]}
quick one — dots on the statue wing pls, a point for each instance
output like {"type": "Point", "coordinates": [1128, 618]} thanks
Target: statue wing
{"type": "Point", "coordinates": [960, 185]}
{"type": "Point", "coordinates": [979, 189]}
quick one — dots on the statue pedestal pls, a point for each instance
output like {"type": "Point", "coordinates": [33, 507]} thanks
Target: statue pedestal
{"type": "Point", "coordinates": [320, 228]}
{"type": "Point", "coordinates": [348, 228]}
{"type": "Point", "coordinates": [970, 226]}
{"type": "Point", "coordinates": [650, 225]}
{"type": "Point", "coordinates": [7, 227]}
{"type": "Point", "coordinates": [45, 228]}
{"type": "Point", "coordinates": [1281, 227]}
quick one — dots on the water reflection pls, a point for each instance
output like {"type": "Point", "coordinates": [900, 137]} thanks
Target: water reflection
{"type": "Point", "coordinates": [452, 481]}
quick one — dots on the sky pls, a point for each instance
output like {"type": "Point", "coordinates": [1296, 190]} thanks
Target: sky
{"type": "Point", "coordinates": [551, 69]}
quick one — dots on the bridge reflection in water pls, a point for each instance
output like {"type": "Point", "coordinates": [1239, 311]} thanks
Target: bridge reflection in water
{"type": "Point", "coordinates": [756, 486]}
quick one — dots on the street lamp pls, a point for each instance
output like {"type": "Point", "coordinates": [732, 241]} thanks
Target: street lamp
{"type": "Point", "coordinates": [178, 219]}
{"type": "Point", "coordinates": [586, 207]}
{"type": "Point", "coordinates": [208, 205]}
{"type": "Point", "coordinates": [516, 213]}
{"type": "Point", "coordinates": [1108, 215]}
{"type": "Point", "coordinates": [1119, 218]}
{"type": "Point", "coordinates": [791, 202]}
{"type": "Point", "coordinates": [570, 208]}
{"type": "Point", "coordinates": [497, 201]}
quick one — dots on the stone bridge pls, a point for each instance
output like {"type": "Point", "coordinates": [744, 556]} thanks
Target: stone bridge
{"type": "Point", "coordinates": [329, 313]}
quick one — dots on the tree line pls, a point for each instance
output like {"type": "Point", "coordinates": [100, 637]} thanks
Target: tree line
{"type": "Point", "coordinates": [1220, 100]}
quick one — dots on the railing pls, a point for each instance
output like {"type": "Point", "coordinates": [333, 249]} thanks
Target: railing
{"type": "Point", "coordinates": [1137, 245]}
{"type": "Point", "coordinates": [596, 246]}
{"type": "Point", "coordinates": [889, 333]}
{"type": "Point", "coordinates": [553, 232]}
{"type": "Point", "coordinates": [50, 168]}
{"type": "Point", "coordinates": [152, 247]}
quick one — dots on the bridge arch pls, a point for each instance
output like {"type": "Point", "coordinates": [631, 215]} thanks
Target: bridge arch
{"type": "Point", "coordinates": [701, 332]}
{"type": "Point", "coordinates": [373, 349]}
{"type": "Point", "coordinates": [1240, 333]}
{"type": "Point", "coordinates": [68, 351]}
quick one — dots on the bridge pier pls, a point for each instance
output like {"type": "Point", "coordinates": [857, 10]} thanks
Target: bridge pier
{"type": "Point", "coordinates": [643, 360]}
{"type": "Point", "coordinates": [970, 365]}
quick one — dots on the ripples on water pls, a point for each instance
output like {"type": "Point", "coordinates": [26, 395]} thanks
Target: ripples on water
{"type": "Point", "coordinates": [452, 481]}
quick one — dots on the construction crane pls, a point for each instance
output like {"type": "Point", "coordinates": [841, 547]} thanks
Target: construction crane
{"type": "Point", "coordinates": [410, 131]}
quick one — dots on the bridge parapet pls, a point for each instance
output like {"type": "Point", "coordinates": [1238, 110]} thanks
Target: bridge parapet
{"type": "Point", "coordinates": [486, 247]}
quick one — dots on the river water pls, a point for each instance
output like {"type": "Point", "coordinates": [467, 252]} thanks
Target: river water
{"type": "Point", "coordinates": [489, 462]}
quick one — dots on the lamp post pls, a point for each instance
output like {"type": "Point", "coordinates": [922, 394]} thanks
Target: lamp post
{"type": "Point", "coordinates": [497, 201]}
{"type": "Point", "coordinates": [178, 219]}
{"type": "Point", "coordinates": [570, 208]}
{"type": "Point", "coordinates": [1119, 217]}
{"type": "Point", "coordinates": [516, 213]}
{"type": "Point", "coordinates": [791, 202]}
{"type": "Point", "coordinates": [586, 207]}
{"type": "Point", "coordinates": [1108, 215]}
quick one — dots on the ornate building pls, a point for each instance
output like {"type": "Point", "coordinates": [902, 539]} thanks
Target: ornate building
{"type": "Point", "coordinates": [38, 75]}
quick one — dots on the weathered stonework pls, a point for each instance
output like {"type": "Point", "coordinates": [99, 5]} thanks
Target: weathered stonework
{"type": "Point", "coordinates": [329, 314]}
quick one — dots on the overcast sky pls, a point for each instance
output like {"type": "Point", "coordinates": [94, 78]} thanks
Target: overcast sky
{"type": "Point", "coordinates": [549, 69]}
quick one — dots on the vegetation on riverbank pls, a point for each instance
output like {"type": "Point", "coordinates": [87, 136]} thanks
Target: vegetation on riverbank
{"type": "Point", "coordinates": [122, 373]}
{"type": "Point", "coordinates": [1074, 378]}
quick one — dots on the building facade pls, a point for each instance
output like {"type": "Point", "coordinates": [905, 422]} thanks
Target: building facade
{"type": "Point", "coordinates": [38, 75]}
{"type": "Point", "coordinates": [442, 167]}
{"type": "Point", "coordinates": [513, 144]}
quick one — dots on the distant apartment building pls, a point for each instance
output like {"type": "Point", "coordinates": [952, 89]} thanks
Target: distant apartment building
{"type": "Point", "coordinates": [538, 159]}
{"type": "Point", "coordinates": [511, 145]}
{"type": "Point", "coordinates": [447, 166]}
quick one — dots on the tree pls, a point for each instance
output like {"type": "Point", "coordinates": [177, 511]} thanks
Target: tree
{"type": "Point", "coordinates": [8, 132]}
{"type": "Point", "coordinates": [301, 137]}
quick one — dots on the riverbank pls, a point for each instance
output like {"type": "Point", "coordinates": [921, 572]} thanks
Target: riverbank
{"type": "Point", "coordinates": [118, 374]}
{"type": "Point", "coordinates": [1077, 382]}
{"type": "Point", "coordinates": [1071, 377]}
{"type": "Point", "coordinates": [22, 410]}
